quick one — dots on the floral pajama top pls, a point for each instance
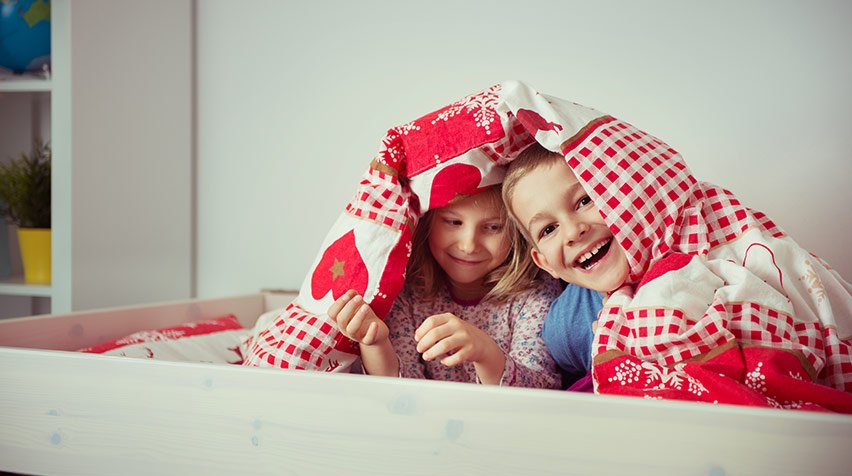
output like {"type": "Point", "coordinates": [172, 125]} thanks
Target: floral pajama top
{"type": "Point", "coordinates": [515, 325]}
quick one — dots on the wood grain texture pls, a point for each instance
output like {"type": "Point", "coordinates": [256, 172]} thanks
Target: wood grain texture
{"type": "Point", "coordinates": [69, 413]}
{"type": "Point", "coordinates": [82, 329]}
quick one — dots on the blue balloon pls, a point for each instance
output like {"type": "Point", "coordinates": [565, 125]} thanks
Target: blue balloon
{"type": "Point", "coordinates": [24, 34]}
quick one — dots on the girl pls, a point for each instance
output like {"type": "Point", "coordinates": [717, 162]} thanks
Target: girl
{"type": "Point", "coordinates": [471, 309]}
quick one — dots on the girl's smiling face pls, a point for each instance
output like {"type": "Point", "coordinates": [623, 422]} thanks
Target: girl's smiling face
{"type": "Point", "coordinates": [571, 240]}
{"type": "Point", "coordinates": [469, 239]}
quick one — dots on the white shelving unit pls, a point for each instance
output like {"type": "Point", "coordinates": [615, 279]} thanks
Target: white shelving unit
{"type": "Point", "coordinates": [15, 286]}
{"type": "Point", "coordinates": [121, 118]}
{"type": "Point", "coordinates": [24, 84]}
{"type": "Point", "coordinates": [27, 96]}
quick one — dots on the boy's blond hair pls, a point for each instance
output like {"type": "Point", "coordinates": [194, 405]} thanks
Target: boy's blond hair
{"type": "Point", "coordinates": [516, 274]}
{"type": "Point", "coordinates": [529, 159]}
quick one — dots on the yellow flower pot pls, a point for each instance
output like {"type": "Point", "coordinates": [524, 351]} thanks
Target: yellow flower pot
{"type": "Point", "coordinates": [35, 254]}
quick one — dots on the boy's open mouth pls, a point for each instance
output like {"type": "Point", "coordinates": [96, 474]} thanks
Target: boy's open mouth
{"type": "Point", "coordinates": [589, 258]}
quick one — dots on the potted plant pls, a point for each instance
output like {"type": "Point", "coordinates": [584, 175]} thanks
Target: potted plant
{"type": "Point", "coordinates": [25, 198]}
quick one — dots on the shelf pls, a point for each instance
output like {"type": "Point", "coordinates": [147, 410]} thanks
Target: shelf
{"type": "Point", "coordinates": [15, 286]}
{"type": "Point", "coordinates": [24, 83]}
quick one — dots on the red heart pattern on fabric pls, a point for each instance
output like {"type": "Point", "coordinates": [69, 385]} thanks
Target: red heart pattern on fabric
{"type": "Point", "coordinates": [452, 181]}
{"type": "Point", "coordinates": [340, 269]}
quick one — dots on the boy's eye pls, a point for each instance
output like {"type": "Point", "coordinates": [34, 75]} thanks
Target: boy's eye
{"type": "Point", "coordinates": [585, 200]}
{"type": "Point", "coordinates": [546, 231]}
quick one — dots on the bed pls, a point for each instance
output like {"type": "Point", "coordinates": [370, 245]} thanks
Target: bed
{"type": "Point", "coordinates": [65, 412]}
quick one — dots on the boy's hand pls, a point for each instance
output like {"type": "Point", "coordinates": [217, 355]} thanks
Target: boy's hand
{"type": "Point", "coordinates": [446, 334]}
{"type": "Point", "coordinates": [356, 320]}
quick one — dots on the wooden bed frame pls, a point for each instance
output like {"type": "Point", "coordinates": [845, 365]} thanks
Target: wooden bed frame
{"type": "Point", "coordinates": [63, 412]}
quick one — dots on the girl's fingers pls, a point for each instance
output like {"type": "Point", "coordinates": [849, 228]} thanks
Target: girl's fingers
{"type": "Point", "coordinates": [359, 315]}
{"type": "Point", "coordinates": [349, 304]}
{"type": "Point", "coordinates": [337, 305]}
{"type": "Point", "coordinates": [372, 332]}
{"type": "Point", "coordinates": [433, 337]}
{"type": "Point", "coordinates": [448, 345]}
{"type": "Point", "coordinates": [352, 306]}
{"type": "Point", "coordinates": [342, 318]}
{"type": "Point", "coordinates": [430, 323]}
{"type": "Point", "coordinates": [458, 357]}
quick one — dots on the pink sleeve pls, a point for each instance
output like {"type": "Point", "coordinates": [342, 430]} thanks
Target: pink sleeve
{"type": "Point", "coordinates": [401, 327]}
{"type": "Point", "coordinates": [528, 363]}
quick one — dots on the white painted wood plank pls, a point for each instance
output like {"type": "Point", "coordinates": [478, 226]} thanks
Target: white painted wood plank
{"type": "Point", "coordinates": [69, 413]}
{"type": "Point", "coordinates": [98, 415]}
{"type": "Point", "coordinates": [82, 329]}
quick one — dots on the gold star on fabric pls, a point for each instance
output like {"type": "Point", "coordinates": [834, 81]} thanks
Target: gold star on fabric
{"type": "Point", "coordinates": [336, 269]}
{"type": "Point", "coordinates": [457, 198]}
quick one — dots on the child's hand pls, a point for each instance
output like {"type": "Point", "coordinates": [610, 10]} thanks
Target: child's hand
{"type": "Point", "coordinates": [356, 320]}
{"type": "Point", "coordinates": [446, 334]}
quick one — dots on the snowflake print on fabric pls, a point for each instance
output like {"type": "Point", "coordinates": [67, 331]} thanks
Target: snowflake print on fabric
{"type": "Point", "coordinates": [755, 379]}
{"type": "Point", "coordinates": [449, 133]}
{"type": "Point", "coordinates": [657, 377]}
{"type": "Point", "coordinates": [813, 283]}
{"type": "Point", "coordinates": [151, 336]}
{"type": "Point", "coordinates": [481, 105]}
{"type": "Point", "coordinates": [673, 378]}
{"type": "Point", "coordinates": [785, 404]}
{"type": "Point", "coordinates": [626, 372]}
{"type": "Point", "coordinates": [406, 128]}
{"type": "Point", "coordinates": [380, 295]}
{"type": "Point", "coordinates": [391, 153]}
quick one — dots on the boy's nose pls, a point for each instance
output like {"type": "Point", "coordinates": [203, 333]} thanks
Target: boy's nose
{"type": "Point", "coordinates": [575, 232]}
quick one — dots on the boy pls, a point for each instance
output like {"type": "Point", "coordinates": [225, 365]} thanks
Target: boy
{"type": "Point", "coordinates": [706, 300]}
{"type": "Point", "coordinates": [570, 239]}
{"type": "Point", "coordinates": [593, 261]}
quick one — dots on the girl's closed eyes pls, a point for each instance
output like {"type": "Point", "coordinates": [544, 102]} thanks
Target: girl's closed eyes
{"type": "Point", "coordinates": [494, 228]}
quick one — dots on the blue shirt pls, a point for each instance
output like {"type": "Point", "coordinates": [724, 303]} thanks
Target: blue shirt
{"type": "Point", "coordinates": [567, 330]}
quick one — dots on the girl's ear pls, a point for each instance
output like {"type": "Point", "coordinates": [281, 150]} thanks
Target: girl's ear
{"type": "Point", "coordinates": [541, 262]}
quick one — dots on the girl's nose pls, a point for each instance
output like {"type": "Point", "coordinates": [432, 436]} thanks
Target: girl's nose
{"type": "Point", "coordinates": [467, 241]}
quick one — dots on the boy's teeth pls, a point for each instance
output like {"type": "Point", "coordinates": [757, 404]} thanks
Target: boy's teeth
{"type": "Point", "coordinates": [591, 253]}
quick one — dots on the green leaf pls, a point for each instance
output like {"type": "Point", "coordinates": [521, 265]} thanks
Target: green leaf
{"type": "Point", "coordinates": [25, 188]}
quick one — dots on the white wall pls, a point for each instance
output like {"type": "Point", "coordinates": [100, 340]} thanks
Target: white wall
{"type": "Point", "coordinates": [124, 215]}
{"type": "Point", "coordinates": [294, 98]}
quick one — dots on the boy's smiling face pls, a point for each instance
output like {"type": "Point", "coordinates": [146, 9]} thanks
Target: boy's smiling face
{"type": "Point", "coordinates": [571, 240]}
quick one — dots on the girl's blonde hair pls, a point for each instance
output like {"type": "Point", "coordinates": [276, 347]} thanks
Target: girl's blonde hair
{"type": "Point", "coordinates": [529, 159]}
{"type": "Point", "coordinates": [516, 274]}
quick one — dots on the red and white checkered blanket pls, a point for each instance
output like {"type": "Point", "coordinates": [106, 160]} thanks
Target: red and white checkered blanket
{"type": "Point", "coordinates": [721, 306]}
{"type": "Point", "coordinates": [714, 286]}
